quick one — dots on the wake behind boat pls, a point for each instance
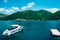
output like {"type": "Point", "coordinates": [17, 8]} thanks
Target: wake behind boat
{"type": "Point", "coordinates": [16, 28]}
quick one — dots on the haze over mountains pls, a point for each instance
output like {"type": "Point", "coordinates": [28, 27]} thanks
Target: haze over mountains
{"type": "Point", "coordinates": [33, 15]}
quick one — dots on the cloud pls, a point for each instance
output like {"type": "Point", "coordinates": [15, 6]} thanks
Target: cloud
{"type": "Point", "coordinates": [24, 7]}
{"type": "Point", "coordinates": [15, 8]}
{"type": "Point", "coordinates": [5, 1]}
{"type": "Point", "coordinates": [9, 10]}
{"type": "Point", "coordinates": [2, 9]}
{"type": "Point", "coordinates": [52, 10]}
{"type": "Point", "coordinates": [29, 5]}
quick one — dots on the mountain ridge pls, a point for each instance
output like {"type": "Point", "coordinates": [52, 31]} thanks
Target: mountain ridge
{"type": "Point", "coordinates": [32, 15]}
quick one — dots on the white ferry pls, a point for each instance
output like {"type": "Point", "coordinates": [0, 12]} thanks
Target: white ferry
{"type": "Point", "coordinates": [16, 28]}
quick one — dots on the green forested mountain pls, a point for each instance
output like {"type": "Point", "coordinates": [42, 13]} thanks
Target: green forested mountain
{"type": "Point", "coordinates": [44, 15]}
{"type": "Point", "coordinates": [33, 15]}
{"type": "Point", "coordinates": [23, 15]}
{"type": "Point", "coordinates": [56, 16]}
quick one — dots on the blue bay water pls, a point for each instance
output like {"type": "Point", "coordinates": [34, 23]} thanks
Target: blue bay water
{"type": "Point", "coordinates": [33, 30]}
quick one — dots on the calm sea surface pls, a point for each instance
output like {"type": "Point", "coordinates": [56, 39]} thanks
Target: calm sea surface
{"type": "Point", "coordinates": [33, 30]}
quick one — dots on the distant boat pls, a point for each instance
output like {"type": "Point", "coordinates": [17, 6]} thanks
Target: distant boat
{"type": "Point", "coordinates": [16, 28]}
{"type": "Point", "coordinates": [55, 32]}
{"type": "Point", "coordinates": [20, 19]}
